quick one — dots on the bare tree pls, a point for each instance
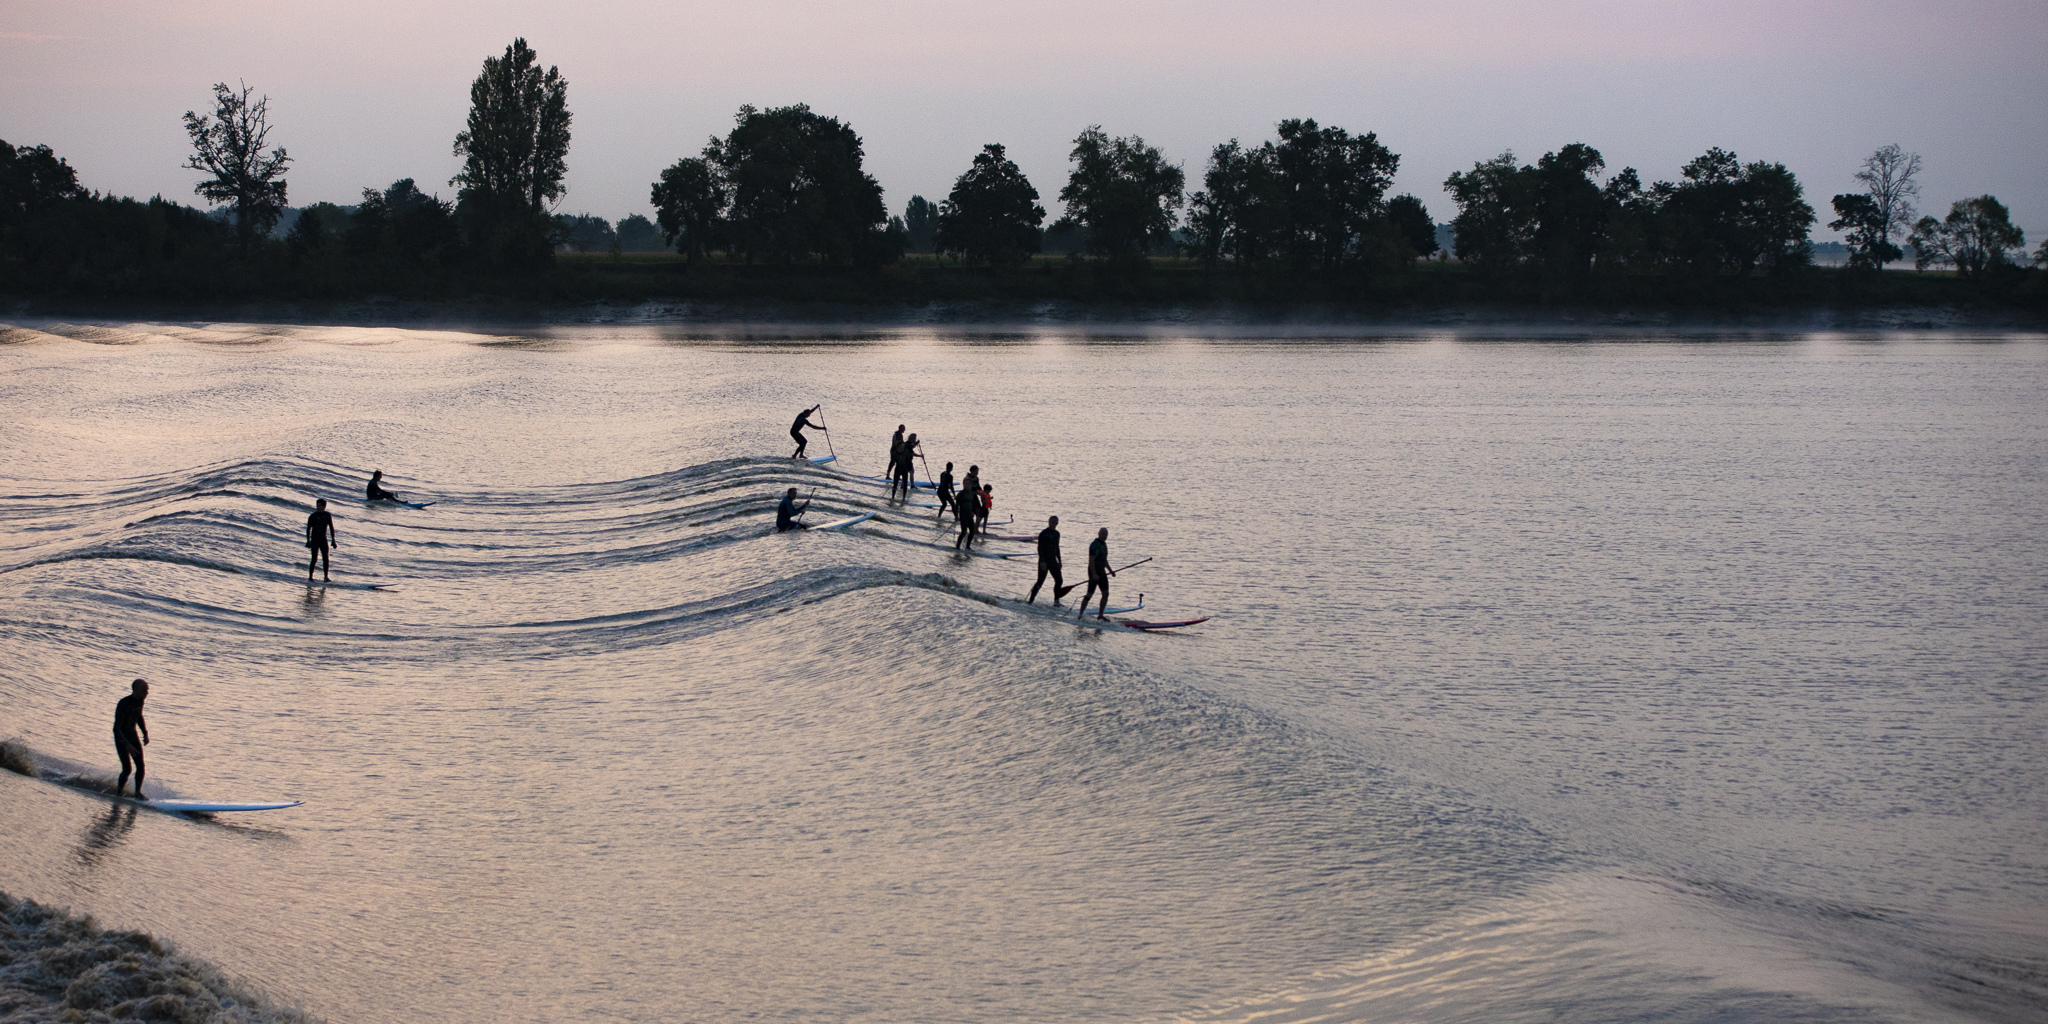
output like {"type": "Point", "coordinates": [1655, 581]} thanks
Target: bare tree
{"type": "Point", "coordinates": [1888, 178]}
{"type": "Point", "coordinates": [229, 146]}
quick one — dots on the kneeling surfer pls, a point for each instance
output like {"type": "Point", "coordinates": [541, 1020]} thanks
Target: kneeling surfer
{"type": "Point", "coordinates": [786, 513]}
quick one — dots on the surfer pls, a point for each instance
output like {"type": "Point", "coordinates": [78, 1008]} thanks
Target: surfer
{"type": "Point", "coordinates": [1049, 563]}
{"type": "Point", "coordinates": [786, 513]}
{"type": "Point", "coordinates": [982, 508]}
{"type": "Point", "coordinates": [796, 430]}
{"type": "Point", "coordinates": [963, 506]}
{"type": "Point", "coordinates": [946, 492]}
{"type": "Point", "coordinates": [127, 720]}
{"type": "Point", "coordinates": [1099, 573]}
{"type": "Point", "coordinates": [905, 469]}
{"type": "Point", "coordinates": [895, 454]}
{"type": "Point", "coordinates": [375, 492]}
{"type": "Point", "coordinates": [320, 536]}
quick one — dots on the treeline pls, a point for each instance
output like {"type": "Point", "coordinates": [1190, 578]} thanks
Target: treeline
{"type": "Point", "coordinates": [783, 197]}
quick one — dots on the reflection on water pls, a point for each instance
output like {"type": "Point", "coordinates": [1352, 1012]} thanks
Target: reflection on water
{"type": "Point", "coordinates": [1492, 624]}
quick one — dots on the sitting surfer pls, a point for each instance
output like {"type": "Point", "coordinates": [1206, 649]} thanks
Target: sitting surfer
{"type": "Point", "coordinates": [374, 491]}
{"type": "Point", "coordinates": [1099, 573]}
{"type": "Point", "coordinates": [786, 513]}
{"type": "Point", "coordinates": [796, 430]}
{"type": "Point", "coordinates": [319, 536]}
{"type": "Point", "coordinates": [127, 721]}
{"type": "Point", "coordinates": [1049, 563]}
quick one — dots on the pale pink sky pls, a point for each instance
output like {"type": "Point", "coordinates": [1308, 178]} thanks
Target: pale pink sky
{"type": "Point", "coordinates": [368, 92]}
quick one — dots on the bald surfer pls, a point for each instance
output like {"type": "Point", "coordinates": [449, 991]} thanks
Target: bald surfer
{"type": "Point", "coordinates": [320, 536]}
{"type": "Point", "coordinates": [1049, 563]}
{"type": "Point", "coordinates": [374, 490]}
{"type": "Point", "coordinates": [1099, 573]}
{"type": "Point", "coordinates": [788, 511]}
{"type": "Point", "coordinates": [796, 430]}
{"type": "Point", "coordinates": [127, 722]}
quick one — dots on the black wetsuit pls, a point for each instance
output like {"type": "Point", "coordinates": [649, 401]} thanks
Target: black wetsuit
{"type": "Point", "coordinates": [796, 430]}
{"type": "Point", "coordinates": [319, 534]}
{"type": "Point", "coordinates": [786, 513]}
{"type": "Point", "coordinates": [1098, 574]}
{"type": "Point", "coordinates": [128, 719]}
{"type": "Point", "coordinates": [1048, 564]}
{"type": "Point", "coordinates": [946, 494]}
{"type": "Point", "coordinates": [373, 492]}
{"type": "Point", "coordinates": [964, 508]}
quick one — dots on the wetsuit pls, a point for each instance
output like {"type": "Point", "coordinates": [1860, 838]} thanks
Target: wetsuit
{"type": "Point", "coordinates": [373, 492]}
{"type": "Point", "coordinates": [796, 430]}
{"type": "Point", "coordinates": [946, 493]}
{"type": "Point", "coordinates": [786, 513]}
{"type": "Point", "coordinates": [963, 509]}
{"type": "Point", "coordinates": [128, 719]}
{"type": "Point", "coordinates": [319, 535]}
{"type": "Point", "coordinates": [1098, 576]}
{"type": "Point", "coordinates": [1048, 564]}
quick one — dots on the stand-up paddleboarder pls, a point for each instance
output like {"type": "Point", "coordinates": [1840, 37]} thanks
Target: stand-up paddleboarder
{"type": "Point", "coordinates": [946, 492]}
{"type": "Point", "coordinates": [895, 454]}
{"type": "Point", "coordinates": [1049, 563]}
{"type": "Point", "coordinates": [1099, 573]}
{"type": "Point", "coordinates": [905, 469]}
{"type": "Point", "coordinates": [127, 721]}
{"type": "Point", "coordinates": [982, 508]}
{"type": "Point", "coordinates": [796, 430]}
{"type": "Point", "coordinates": [320, 536]}
{"type": "Point", "coordinates": [374, 490]}
{"type": "Point", "coordinates": [786, 513]}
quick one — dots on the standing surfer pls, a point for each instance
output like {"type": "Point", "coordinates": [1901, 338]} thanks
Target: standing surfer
{"type": "Point", "coordinates": [786, 513]}
{"type": "Point", "coordinates": [374, 491]}
{"type": "Point", "coordinates": [1099, 573]}
{"type": "Point", "coordinates": [1049, 563]}
{"type": "Point", "coordinates": [904, 469]}
{"type": "Point", "coordinates": [796, 430]}
{"type": "Point", "coordinates": [127, 720]}
{"type": "Point", "coordinates": [964, 505]}
{"type": "Point", "coordinates": [319, 536]}
{"type": "Point", "coordinates": [946, 492]}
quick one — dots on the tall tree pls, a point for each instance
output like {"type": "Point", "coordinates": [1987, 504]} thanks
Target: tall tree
{"type": "Point", "coordinates": [1496, 224]}
{"type": "Point", "coordinates": [992, 214]}
{"type": "Point", "coordinates": [1863, 227]}
{"type": "Point", "coordinates": [515, 154]}
{"type": "Point", "coordinates": [1334, 184]}
{"type": "Point", "coordinates": [688, 201]}
{"type": "Point", "coordinates": [1976, 236]}
{"type": "Point", "coordinates": [1725, 215]}
{"type": "Point", "coordinates": [1124, 192]}
{"type": "Point", "coordinates": [229, 147]}
{"type": "Point", "coordinates": [798, 190]}
{"type": "Point", "coordinates": [921, 224]}
{"type": "Point", "coordinates": [1571, 212]}
{"type": "Point", "coordinates": [1241, 210]}
{"type": "Point", "coordinates": [1411, 223]}
{"type": "Point", "coordinates": [1888, 178]}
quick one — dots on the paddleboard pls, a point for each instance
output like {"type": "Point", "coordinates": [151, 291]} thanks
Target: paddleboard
{"type": "Point", "coordinates": [209, 806]}
{"type": "Point", "coordinates": [842, 523]}
{"type": "Point", "coordinates": [1149, 626]}
{"type": "Point", "coordinates": [819, 460]}
{"type": "Point", "coordinates": [400, 504]}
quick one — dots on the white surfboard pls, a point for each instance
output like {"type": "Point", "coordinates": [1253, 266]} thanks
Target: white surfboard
{"type": "Point", "coordinates": [819, 460]}
{"type": "Point", "coordinates": [841, 524]}
{"type": "Point", "coordinates": [212, 806]}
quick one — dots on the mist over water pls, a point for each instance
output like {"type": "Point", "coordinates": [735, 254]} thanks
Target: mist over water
{"type": "Point", "coordinates": [1665, 678]}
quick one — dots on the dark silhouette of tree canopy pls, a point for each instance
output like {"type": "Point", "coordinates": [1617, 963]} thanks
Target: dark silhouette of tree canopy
{"type": "Point", "coordinates": [585, 232]}
{"type": "Point", "coordinates": [1889, 180]}
{"type": "Point", "coordinates": [688, 202]}
{"type": "Point", "coordinates": [1727, 216]}
{"type": "Point", "coordinates": [1124, 192]}
{"type": "Point", "coordinates": [1314, 198]}
{"type": "Point", "coordinates": [1976, 236]}
{"type": "Point", "coordinates": [1571, 213]}
{"type": "Point", "coordinates": [638, 234]}
{"type": "Point", "coordinates": [1241, 211]}
{"type": "Point", "coordinates": [515, 154]}
{"type": "Point", "coordinates": [921, 224]}
{"type": "Point", "coordinates": [33, 178]}
{"type": "Point", "coordinates": [402, 228]}
{"type": "Point", "coordinates": [1864, 230]}
{"type": "Point", "coordinates": [1496, 222]}
{"type": "Point", "coordinates": [229, 147]}
{"type": "Point", "coordinates": [1411, 223]}
{"type": "Point", "coordinates": [798, 190]}
{"type": "Point", "coordinates": [992, 214]}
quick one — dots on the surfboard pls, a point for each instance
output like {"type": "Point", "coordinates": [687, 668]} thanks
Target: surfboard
{"type": "Point", "coordinates": [399, 504]}
{"type": "Point", "coordinates": [841, 524]}
{"type": "Point", "coordinates": [209, 806]}
{"type": "Point", "coordinates": [1149, 626]}
{"type": "Point", "coordinates": [819, 460]}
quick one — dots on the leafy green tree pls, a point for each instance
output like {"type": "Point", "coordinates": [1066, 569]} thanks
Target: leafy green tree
{"type": "Point", "coordinates": [1241, 211]}
{"type": "Point", "coordinates": [515, 154]}
{"type": "Point", "coordinates": [1335, 185]}
{"type": "Point", "coordinates": [309, 232]}
{"type": "Point", "coordinates": [921, 224]}
{"type": "Point", "coordinates": [1976, 236]}
{"type": "Point", "coordinates": [1496, 222]}
{"type": "Point", "coordinates": [992, 214]}
{"type": "Point", "coordinates": [638, 234]}
{"type": "Point", "coordinates": [798, 190]}
{"type": "Point", "coordinates": [1411, 223]}
{"type": "Point", "coordinates": [229, 147]}
{"type": "Point", "coordinates": [1863, 225]}
{"type": "Point", "coordinates": [1889, 178]}
{"type": "Point", "coordinates": [2041, 254]}
{"type": "Point", "coordinates": [1727, 216]}
{"type": "Point", "coordinates": [688, 202]}
{"type": "Point", "coordinates": [1125, 192]}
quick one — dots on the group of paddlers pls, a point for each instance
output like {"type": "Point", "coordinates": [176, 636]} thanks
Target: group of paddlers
{"type": "Point", "coordinates": [970, 506]}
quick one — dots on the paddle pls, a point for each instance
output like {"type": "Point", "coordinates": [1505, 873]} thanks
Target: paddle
{"type": "Point", "coordinates": [828, 436]}
{"type": "Point", "coordinates": [1133, 565]}
{"type": "Point", "coordinates": [807, 504]}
